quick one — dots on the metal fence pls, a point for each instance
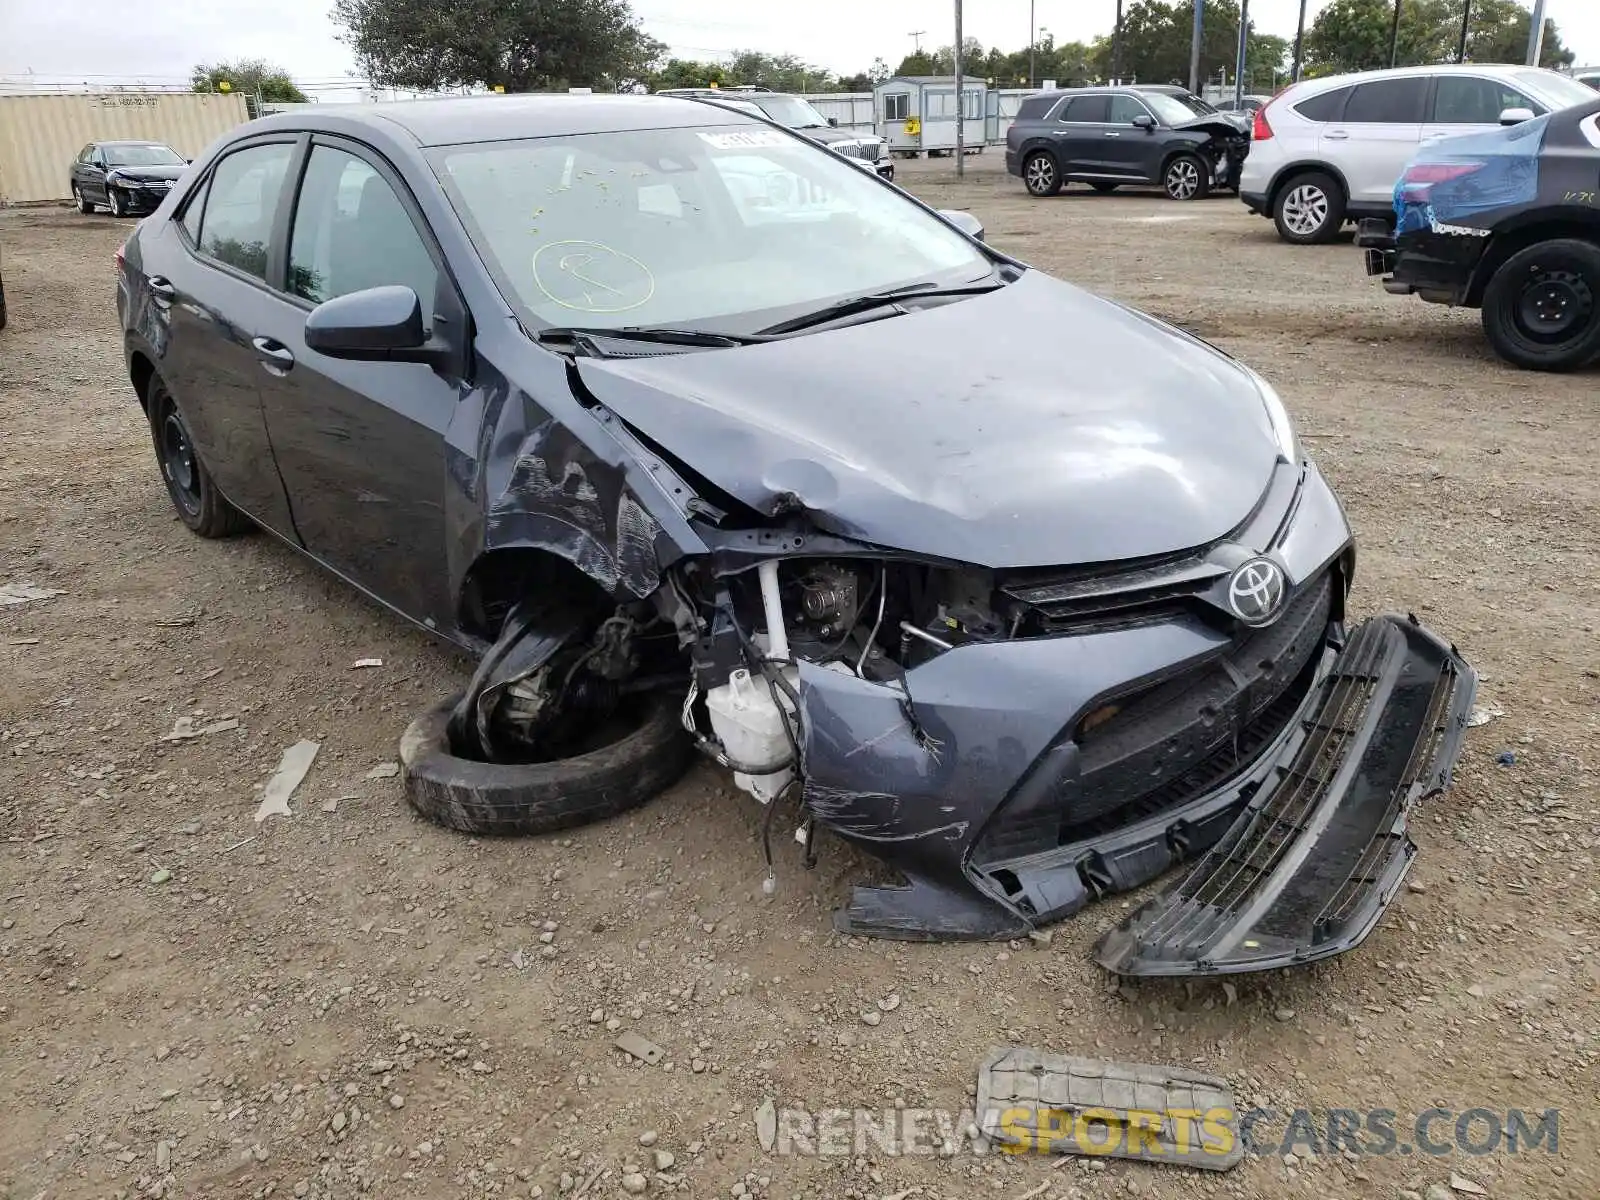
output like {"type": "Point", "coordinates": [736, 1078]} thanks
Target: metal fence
{"type": "Point", "coordinates": [854, 110]}
{"type": "Point", "coordinates": [40, 135]}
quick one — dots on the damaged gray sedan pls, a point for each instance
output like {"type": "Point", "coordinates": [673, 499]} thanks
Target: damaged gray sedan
{"type": "Point", "coordinates": [696, 436]}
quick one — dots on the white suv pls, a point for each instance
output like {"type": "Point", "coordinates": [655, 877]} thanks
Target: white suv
{"type": "Point", "coordinates": [1327, 151]}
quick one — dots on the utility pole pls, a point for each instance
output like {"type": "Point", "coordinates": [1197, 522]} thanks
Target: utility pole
{"type": "Point", "coordinates": [1116, 47]}
{"type": "Point", "coordinates": [1394, 35]}
{"type": "Point", "coordinates": [1238, 66]}
{"type": "Point", "coordinates": [1299, 43]}
{"type": "Point", "coordinates": [1466, 20]}
{"type": "Point", "coordinates": [916, 40]}
{"type": "Point", "coordinates": [1033, 41]}
{"type": "Point", "coordinates": [961, 107]}
{"type": "Point", "coordinates": [1194, 46]}
{"type": "Point", "coordinates": [1536, 34]}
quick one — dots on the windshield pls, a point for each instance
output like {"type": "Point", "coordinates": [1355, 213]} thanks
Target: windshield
{"type": "Point", "coordinates": [733, 226]}
{"type": "Point", "coordinates": [1169, 109]}
{"type": "Point", "coordinates": [790, 110]}
{"type": "Point", "coordinates": [143, 156]}
{"type": "Point", "coordinates": [1555, 90]}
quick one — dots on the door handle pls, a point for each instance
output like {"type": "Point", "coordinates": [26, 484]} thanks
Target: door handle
{"type": "Point", "coordinates": [1337, 135]}
{"type": "Point", "coordinates": [161, 288]}
{"type": "Point", "coordinates": [276, 358]}
{"type": "Point", "coordinates": [1112, 133]}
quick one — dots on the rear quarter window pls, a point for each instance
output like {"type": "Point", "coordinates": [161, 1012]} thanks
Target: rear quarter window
{"type": "Point", "coordinates": [1329, 106]}
{"type": "Point", "coordinates": [1034, 108]}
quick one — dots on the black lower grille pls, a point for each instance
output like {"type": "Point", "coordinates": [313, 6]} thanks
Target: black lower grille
{"type": "Point", "coordinates": [1149, 752]}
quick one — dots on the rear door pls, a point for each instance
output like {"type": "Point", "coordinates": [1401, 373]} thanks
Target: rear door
{"type": "Point", "coordinates": [1376, 135]}
{"type": "Point", "coordinates": [205, 274]}
{"type": "Point", "coordinates": [1471, 104]}
{"type": "Point", "coordinates": [1080, 134]}
{"type": "Point", "coordinates": [360, 445]}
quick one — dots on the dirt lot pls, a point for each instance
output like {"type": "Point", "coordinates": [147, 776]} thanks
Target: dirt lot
{"type": "Point", "coordinates": [349, 1000]}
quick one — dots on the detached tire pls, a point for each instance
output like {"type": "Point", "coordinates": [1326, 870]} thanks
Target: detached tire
{"type": "Point", "coordinates": [1541, 309]}
{"type": "Point", "coordinates": [496, 798]}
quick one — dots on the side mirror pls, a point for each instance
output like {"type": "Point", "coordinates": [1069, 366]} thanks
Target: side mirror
{"type": "Point", "coordinates": [1516, 116]}
{"type": "Point", "coordinates": [834, 122]}
{"type": "Point", "coordinates": [1145, 122]}
{"type": "Point", "coordinates": [964, 221]}
{"type": "Point", "coordinates": [375, 325]}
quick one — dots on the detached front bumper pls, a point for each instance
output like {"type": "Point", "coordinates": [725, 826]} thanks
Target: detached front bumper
{"type": "Point", "coordinates": [1437, 267]}
{"type": "Point", "coordinates": [1321, 847]}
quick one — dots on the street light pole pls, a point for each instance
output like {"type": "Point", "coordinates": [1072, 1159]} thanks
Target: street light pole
{"type": "Point", "coordinates": [1299, 43]}
{"type": "Point", "coordinates": [1033, 42]}
{"type": "Point", "coordinates": [1116, 47]}
{"type": "Point", "coordinates": [1466, 20]}
{"type": "Point", "coordinates": [1394, 34]}
{"type": "Point", "coordinates": [1536, 34]}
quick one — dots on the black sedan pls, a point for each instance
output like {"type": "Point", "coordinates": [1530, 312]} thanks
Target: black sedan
{"type": "Point", "coordinates": [695, 435]}
{"type": "Point", "coordinates": [129, 178]}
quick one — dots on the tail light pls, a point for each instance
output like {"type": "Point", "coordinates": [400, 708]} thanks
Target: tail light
{"type": "Point", "coordinates": [1420, 177]}
{"type": "Point", "coordinates": [1260, 130]}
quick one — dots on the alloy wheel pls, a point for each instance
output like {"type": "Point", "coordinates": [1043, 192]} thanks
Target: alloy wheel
{"type": "Point", "coordinates": [1305, 209]}
{"type": "Point", "coordinates": [115, 197]}
{"type": "Point", "coordinates": [1183, 180]}
{"type": "Point", "coordinates": [1041, 174]}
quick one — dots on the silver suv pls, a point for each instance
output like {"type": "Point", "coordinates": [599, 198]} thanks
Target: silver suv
{"type": "Point", "coordinates": [1327, 151]}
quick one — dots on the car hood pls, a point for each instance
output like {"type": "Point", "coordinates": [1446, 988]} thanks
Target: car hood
{"type": "Point", "coordinates": [828, 135]}
{"type": "Point", "coordinates": [1036, 425]}
{"type": "Point", "coordinates": [1222, 124]}
{"type": "Point", "coordinates": [148, 174]}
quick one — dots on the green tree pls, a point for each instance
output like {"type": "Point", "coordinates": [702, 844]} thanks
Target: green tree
{"type": "Point", "coordinates": [688, 73]}
{"type": "Point", "coordinates": [1498, 33]}
{"type": "Point", "coordinates": [780, 72]}
{"type": "Point", "coordinates": [250, 77]}
{"type": "Point", "coordinates": [518, 45]}
{"type": "Point", "coordinates": [1353, 35]}
{"type": "Point", "coordinates": [919, 63]}
{"type": "Point", "coordinates": [1155, 44]}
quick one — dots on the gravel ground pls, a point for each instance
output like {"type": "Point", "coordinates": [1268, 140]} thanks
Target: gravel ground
{"type": "Point", "coordinates": [349, 1000]}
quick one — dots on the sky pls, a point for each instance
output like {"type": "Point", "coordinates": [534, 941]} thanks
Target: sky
{"type": "Point", "coordinates": [158, 41]}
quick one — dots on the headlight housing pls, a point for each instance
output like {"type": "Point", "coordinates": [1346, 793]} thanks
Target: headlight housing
{"type": "Point", "coordinates": [1278, 415]}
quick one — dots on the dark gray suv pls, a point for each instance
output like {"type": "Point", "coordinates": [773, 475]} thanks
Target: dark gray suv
{"type": "Point", "coordinates": [1109, 136]}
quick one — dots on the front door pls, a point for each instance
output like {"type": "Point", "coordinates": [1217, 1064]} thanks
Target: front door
{"type": "Point", "coordinates": [1471, 104]}
{"type": "Point", "coordinates": [1380, 131]}
{"type": "Point", "coordinates": [1130, 150]}
{"type": "Point", "coordinates": [360, 445]}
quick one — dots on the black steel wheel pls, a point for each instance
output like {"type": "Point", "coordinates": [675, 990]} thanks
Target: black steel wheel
{"type": "Point", "coordinates": [199, 504]}
{"type": "Point", "coordinates": [1541, 310]}
{"type": "Point", "coordinates": [1041, 173]}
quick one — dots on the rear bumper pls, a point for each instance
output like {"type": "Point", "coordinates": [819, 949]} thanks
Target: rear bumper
{"type": "Point", "coordinates": [1437, 267]}
{"type": "Point", "coordinates": [1013, 162]}
{"type": "Point", "coordinates": [1320, 849]}
{"type": "Point", "coordinates": [1256, 202]}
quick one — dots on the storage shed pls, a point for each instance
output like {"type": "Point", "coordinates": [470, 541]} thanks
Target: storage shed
{"type": "Point", "coordinates": [917, 113]}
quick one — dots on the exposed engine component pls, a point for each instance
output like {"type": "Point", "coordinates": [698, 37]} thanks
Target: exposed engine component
{"type": "Point", "coordinates": [828, 597]}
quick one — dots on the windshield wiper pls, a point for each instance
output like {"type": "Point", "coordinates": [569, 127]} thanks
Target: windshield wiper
{"type": "Point", "coordinates": [888, 299]}
{"type": "Point", "coordinates": [584, 337]}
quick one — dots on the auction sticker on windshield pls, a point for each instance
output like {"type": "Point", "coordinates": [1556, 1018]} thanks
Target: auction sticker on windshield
{"type": "Point", "coordinates": [736, 141]}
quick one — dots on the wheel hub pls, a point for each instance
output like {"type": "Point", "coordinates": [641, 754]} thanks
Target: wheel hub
{"type": "Point", "coordinates": [1554, 303]}
{"type": "Point", "coordinates": [1305, 209]}
{"type": "Point", "coordinates": [178, 457]}
{"type": "Point", "coordinates": [1182, 180]}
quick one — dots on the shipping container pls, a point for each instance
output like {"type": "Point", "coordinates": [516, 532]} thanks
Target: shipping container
{"type": "Point", "coordinates": [40, 135]}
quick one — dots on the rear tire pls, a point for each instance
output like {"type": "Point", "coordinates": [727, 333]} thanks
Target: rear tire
{"type": "Point", "coordinates": [497, 798]}
{"type": "Point", "coordinates": [1309, 209]}
{"type": "Point", "coordinates": [194, 494]}
{"type": "Point", "coordinates": [1041, 173]}
{"type": "Point", "coordinates": [1186, 177]}
{"type": "Point", "coordinates": [1541, 309]}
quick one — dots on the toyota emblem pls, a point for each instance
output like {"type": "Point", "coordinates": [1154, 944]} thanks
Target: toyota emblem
{"type": "Point", "coordinates": [1256, 590]}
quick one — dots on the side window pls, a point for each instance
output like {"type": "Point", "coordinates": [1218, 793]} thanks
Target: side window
{"type": "Point", "coordinates": [939, 104]}
{"type": "Point", "coordinates": [1463, 100]}
{"type": "Point", "coordinates": [193, 210]}
{"type": "Point", "coordinates": [1387, 102]}
{"type": "Point", "coordinates": [86, 153]}
{"type": "Point", "coordinates": [1086, 109]}
{"type": "Point", "coordinates": [1124, 109]}
{"type": "Point", "coordinates": [352, 233]}
{"type": "Point", "coordinates": [1327, 107]}
{"type": "Point", "coordinates": [241, 202]}
{"type": "Point", "coordinates": [896, 106]}
{"type": "Point", "coordinates": [1033, 108]}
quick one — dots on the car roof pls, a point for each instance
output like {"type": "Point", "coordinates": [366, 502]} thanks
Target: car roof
{"type": "Point", "coordinates": [460, 119]}
{"type": "Point", "coordinates": [134, 142]}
